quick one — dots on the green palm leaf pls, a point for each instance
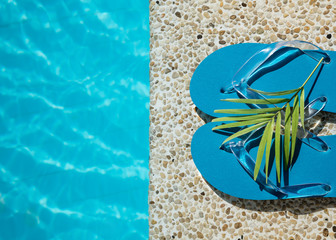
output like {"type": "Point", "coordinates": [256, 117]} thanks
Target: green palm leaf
{"type": "Point", "coordinates": [239, 124]}
{"type": "Point", "coordinates": [243, 117]}
{"type": "Point", "coordinates": [258, 118]}
{"type": "Point", "coordinates": [257, 101]}
{"type": "Point", "coordinates": [268, 146]}
{"type": "Point", "coordinates": [248, 111]}
{"type": "Point", "coordinates": [280, 93]}
{"type": "Point", "coordinates": [295, 121]}
{"type": "Point", "coordinates": [287, 135]}
{"type": "Point", "coordinates": [302, 100]}
{"type": "Point", "coordinates": [261, 149]}
{"type": "Point", "coordinates": [244, 131]}
{"type": "Point", "coordinates": [277, 145]}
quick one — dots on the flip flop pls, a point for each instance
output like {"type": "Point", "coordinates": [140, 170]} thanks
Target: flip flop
{"type": "Point", "coordinates": [265, 65]}
{"type": "Point", "coordinates": [311, 176]}
{"type": "Point", "coordinates": [261, 60]}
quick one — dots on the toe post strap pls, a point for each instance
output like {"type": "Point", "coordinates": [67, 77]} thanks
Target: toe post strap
{"type": "Point", "coordinates": [273, 57]}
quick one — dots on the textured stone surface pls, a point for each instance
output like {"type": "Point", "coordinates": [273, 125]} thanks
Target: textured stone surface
{"type": "Point", "coordinates": [181, 204]}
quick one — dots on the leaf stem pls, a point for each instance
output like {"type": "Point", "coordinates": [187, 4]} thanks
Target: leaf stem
{"type": "Point", "coordinates": [300, 88]}
{"type": "Point", "coordinates": [312, 72]}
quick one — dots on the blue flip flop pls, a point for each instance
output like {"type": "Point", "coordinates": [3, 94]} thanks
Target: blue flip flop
{"type": "Point", "coordinates": [264, 66]}
{"type": "Point", "coordinates": [313, 174]}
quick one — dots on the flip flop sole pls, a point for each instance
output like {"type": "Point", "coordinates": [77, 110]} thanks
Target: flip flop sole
{"type": "Point", "coordinates": [222, 170]}
{"type": "Point", "coordinates": [217, 70]}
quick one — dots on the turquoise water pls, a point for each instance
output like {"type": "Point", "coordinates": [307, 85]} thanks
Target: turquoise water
{"type": "Point", "coordinates": [74, 94]}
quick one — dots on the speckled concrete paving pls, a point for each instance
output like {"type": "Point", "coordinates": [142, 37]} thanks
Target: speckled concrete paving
{"type": "Point", "coordinates": [181, 204]}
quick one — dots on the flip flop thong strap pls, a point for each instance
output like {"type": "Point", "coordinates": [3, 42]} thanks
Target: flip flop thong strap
{"type": "Point", "coordinates": [295, 191]}
{"type": "Point", "coordinates": [315, 106]}
{"type": "Point", "coordinates": [272, 57]}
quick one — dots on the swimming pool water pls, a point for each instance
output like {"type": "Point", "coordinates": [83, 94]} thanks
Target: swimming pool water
{"type": "Point", "coordinates": [74, 94]}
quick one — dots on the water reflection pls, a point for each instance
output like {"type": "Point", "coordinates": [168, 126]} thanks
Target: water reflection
{"type": "Point", "coordinates": [74, 120]}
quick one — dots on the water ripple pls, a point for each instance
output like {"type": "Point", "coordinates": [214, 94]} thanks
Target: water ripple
{"type": "Point", "coordinates": [74, 122]}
